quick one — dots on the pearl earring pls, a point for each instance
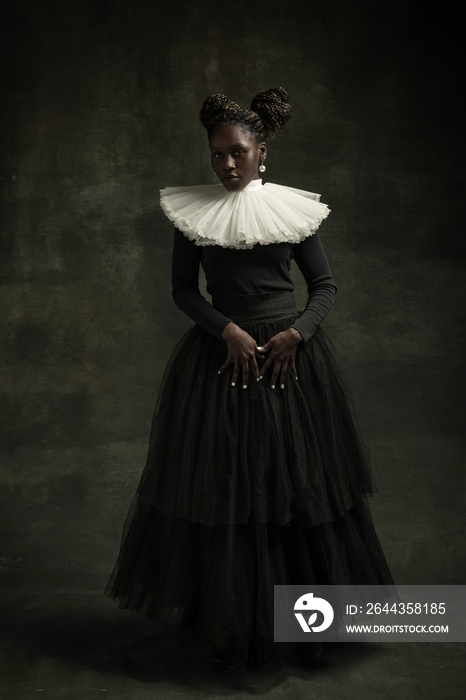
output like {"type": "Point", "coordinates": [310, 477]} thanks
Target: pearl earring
{"type": "Point", "coordinates": [262, 167]}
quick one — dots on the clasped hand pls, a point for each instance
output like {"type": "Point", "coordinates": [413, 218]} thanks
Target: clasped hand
{"type": "Point", "coordinates": [243, 352]}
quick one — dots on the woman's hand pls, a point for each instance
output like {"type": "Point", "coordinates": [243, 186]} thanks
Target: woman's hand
{"type": "Point", "coordinates": [242, 352]}
{"type": "Point", "coordinates": [282, 353]}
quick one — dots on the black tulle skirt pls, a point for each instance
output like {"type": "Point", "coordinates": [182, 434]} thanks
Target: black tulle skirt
{"type": "Point", "coordinates": [244, 489]}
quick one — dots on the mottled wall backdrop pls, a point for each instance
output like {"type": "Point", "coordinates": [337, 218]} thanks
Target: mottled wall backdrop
{"type": "Point", "coordinates": [100, 110]}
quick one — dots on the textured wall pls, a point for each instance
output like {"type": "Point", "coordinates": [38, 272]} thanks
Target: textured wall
{"type": "Point", "coordinates": [101, 100]}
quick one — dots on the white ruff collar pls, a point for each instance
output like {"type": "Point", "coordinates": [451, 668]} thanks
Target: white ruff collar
{"type": "Point", "coordinates": [211, 215]}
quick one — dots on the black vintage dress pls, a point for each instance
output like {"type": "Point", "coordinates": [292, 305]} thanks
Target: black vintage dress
{"type": "Point", "coordinates": [247, 488]}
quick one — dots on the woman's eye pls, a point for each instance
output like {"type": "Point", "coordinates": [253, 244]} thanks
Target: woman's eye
{"type": "Point", "coordinates": [239, 152]}
{"type": "Point", "coordinates": [217, 155]}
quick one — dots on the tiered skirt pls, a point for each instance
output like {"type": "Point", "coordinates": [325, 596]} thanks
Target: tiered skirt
{"type": "Point", "coordinates": [244, 489]}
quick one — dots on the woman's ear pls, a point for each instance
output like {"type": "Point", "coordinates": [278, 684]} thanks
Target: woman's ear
{"type": "Point", "coordinates": [263, 150]}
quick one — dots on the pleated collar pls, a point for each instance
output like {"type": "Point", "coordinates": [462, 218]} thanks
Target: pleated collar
{"type": "Point", "coordinates": [258, 214]}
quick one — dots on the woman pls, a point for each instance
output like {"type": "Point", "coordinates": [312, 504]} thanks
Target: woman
{"type": "Point", "coordinates": [257, 473]}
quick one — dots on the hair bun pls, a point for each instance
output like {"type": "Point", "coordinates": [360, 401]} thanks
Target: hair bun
{"type": "Point", "coordinates": [269, 112]}
{"type": "Point", "coordinates": [213, 107]}
{"type": "Point", "coordinates": [273, 108]}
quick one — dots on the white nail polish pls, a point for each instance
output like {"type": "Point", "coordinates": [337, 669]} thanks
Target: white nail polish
{"type": "Point", "coordinates": [296, 378]}
{"type": "Point", "coordinates": [245, 386]}
{"type": "Point", "coordinates": [282, 386]}
{"type": "Point", "coordinates": [258, 379]}
{"type": "Point", "coordinates": [273, 386]}
{"type": "Point", "coordinates": [233, 384]}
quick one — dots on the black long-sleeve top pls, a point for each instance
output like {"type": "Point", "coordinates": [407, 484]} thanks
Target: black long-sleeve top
{"type": "Point", "coordinates": [261, 269]}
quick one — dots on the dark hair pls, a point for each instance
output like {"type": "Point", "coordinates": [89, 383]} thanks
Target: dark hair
{"type": "Point", "coordinates": [269, 112]}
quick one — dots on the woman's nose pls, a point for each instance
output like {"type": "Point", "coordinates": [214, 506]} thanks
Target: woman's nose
{"type": "Point", "coordinates": [229, 163]}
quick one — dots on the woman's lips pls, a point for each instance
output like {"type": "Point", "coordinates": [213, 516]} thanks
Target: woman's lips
{"type": "Point", "coordinates": [231, 177]}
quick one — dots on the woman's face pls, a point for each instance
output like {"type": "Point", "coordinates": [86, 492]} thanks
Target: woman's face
{"type": "Point", "coordinates": [235, 156]}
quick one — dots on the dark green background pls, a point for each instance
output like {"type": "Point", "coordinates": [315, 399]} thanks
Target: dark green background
{"type": "Point", "coordinates": [100, 110]}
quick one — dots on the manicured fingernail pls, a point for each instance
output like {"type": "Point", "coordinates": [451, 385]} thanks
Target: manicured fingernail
{"type": "Point", "coordinates": [219, 373]}
{"type": "Point", "coordinates": [296, 378]}
{"type": "Point", "coordinates": [273, 386]}
{"type": "Point", "coordinates": [258, 379]}
{"type": "Point", "coordinates": [282, 386]}
{"type": "Point", "coordinates": [245, 386]}
{"type": "Point", "coordinates": [260, 348]}
{"type": "Point", "coordinates": [233, 384]}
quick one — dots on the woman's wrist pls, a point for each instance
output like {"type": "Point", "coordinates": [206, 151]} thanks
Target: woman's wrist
{"type": "Point", "coordinates": [296, 335]}
{"type": "Point", "coordinates": [227, 331]}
